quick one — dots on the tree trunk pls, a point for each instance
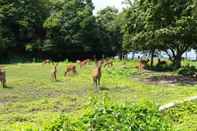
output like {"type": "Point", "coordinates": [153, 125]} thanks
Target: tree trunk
{"type": "Point", "coordinates": [133, 55]}
{"type": "Point", "coordinates": [177, 61]}
{"type": "Point", "coordinates": [152, 57]}
{"type": "Point", "coordinates": [196, 55]}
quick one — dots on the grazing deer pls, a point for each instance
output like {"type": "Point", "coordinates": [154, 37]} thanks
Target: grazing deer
{"type": "Point", "coordinates": [54, 72]}
{"type": "Point", "coordinates": [108, 63]}
{"type": "Point", "coordinates": [47, 61]}
{"type": "Point", "coordinates": [96, 75]}
{"type": "Point", "coordinates": [160, 62]}
{"type": "Point", "coordinates": [3, 77]}
{"type": "Point", "coordinates": [83, 63]}
{"type": "Point", "coordinates": [142, 64]}
{"type": "Point", "coordinates": [70, 68]}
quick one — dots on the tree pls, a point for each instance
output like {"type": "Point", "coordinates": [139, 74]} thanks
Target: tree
{"type": "Point", "coordinates": [70, 28]}
{"type": "Point", "coordinates": [21, 23]}
{"type": "Point", "coordinates": [166, 25]}
{"type": "Point", "coordinates": [109, 31]}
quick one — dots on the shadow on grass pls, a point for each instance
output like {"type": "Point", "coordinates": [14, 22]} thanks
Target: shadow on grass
{"type": "Point", "coordinates": [102, 88]}
{"type": "Point", "coordinates": [161, 68]}
{"type": "Point", "coordinates": [7, 87]}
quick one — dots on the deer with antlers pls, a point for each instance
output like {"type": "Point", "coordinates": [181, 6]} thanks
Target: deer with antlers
{"type": "Point", "coordinates": [54, 72]}
{"type": "Point", "coordinates": [3, 77]}
{"type": "Point", "coordinates": [70, 68]}
{"type": "Point", "coordinates": [96, 74]}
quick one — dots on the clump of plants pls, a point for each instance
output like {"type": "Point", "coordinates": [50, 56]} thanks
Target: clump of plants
{"type": "Point", "coordinates": [183, 116]}
{"type": "Point", "coordinates": [110, 117]}
{"type": "Point", "coordinates": [187, 71]}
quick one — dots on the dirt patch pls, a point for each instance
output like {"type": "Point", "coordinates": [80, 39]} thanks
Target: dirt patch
{"type": "Point", "coordinates": [171, 79]}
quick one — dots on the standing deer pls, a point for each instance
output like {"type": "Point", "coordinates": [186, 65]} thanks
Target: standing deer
{"type": "Point", "coordinates": [96, 75]}
{"type": "Point", "coordinates": [47, 61]}
{"type": "Point", "coordinates": [142, 64]}
{"type": "Point", "coordinates": [70, 68]}
{"type": "Point", "coordinates": [3, 77]}
{"type": "Point", "coordinates": [108, 63]}
{"type": "Point", "coordinates": [83, 63]}
{"type": "Point", "coordinates": [54, 72]}
{"type": "Point", "coordinates": [160, 62]}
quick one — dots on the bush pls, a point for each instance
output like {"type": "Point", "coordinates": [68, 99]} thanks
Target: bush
{"type": "Point", "coordinates": [115, 117]}
{"type": "Point", "coordinates": [187, 70]}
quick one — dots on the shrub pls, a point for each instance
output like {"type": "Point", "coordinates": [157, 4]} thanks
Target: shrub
{"type": "Point", "coordinates": [115, 117]}
{"type": "Point", "coordinates": [187, 70]}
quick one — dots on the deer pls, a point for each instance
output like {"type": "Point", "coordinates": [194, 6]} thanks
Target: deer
{"type": "Point", "coordinates": [70, 68]}
{"type": "Point", "coordinates": [108, 63]}
{"type": "Point", "coordinates": [3, 77]}
{"type": "Point", "coordinates": [47, 61]}
{"type": "Point", "coordinates": [142, 64]}
{"type": "Point", "coordinates": [54, 72]}
{"type": "Point", "coordinates": [96, 74]}
{"type": "Point", "coordinates": [160, 62]}
{"type": "Point", "coordinates": [83, 63]}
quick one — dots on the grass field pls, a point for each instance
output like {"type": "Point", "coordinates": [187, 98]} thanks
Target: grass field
{"type": "Point", "coordinates": [32, 99]}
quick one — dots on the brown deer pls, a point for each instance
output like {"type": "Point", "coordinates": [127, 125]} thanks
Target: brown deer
{"type": "Point", "coordinates": [108, 63]}
{"type": "Point", "coordinates": [47, 61]}
{"type": "Point", "coordinates": [160, 62]}
{"type": "Point", "coordinates": [3, 77]}
{"type": "Point", "coordinates": [54, 72]}
{"type": "Point", "coordinates": [96, 75]}
{"type": "Point", "coordinates": [83, 63]}
{"type": "Point", "coordinates": [142, 64]}
{"type": "Point", "coordinates": [70, 68]}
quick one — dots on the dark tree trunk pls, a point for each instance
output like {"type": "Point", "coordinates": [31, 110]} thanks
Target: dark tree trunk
{"type": "Point", "coordinates": [133, 55]}
{"type": "Point", "coordinates": [152, 57]}
{"type": "Point", "coordinates": [196, 55]}
{"type": "Point", "coordinates": [177, 61]}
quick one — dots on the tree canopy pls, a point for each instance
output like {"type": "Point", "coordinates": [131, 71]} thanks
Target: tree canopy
{"type": "Point", "coordinates": [166, 25]}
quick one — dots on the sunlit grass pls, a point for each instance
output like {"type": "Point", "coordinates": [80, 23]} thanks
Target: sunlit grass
{"type": "Point", "coordinates": [33, 99]}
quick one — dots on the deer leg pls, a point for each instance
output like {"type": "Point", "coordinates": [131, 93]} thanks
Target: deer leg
{"type": "Point", "coordinates": [99, 82]}
{"type": "Point", "coordinates": [3, 83]}
{"type": "Point", "coordinates": [55, 76]}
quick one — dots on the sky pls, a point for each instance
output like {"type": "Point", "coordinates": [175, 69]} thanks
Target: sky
{"type": "Point", "coordinates": [100, 4]}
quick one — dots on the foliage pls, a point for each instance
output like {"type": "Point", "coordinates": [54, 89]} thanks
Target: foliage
{"type": "Point", "coordinates": [179, 116]}
{"type": "Point", "coordinates": [109, 30]}
{"type": "Point", "coordinates": [115, 117]}
{"type": "Point", "coordinates": [187, 71]}
{"type": "Point", "coordinates": [165, 25]}
{"type": "Point", "coordinates": [57, 29]}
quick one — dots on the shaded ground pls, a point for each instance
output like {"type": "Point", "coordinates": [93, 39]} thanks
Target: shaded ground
{"type": "Point", "coordinates": [166, 79]}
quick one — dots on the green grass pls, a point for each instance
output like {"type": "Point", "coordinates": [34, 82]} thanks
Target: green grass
{"type": "Point", "coordinates": [183, 116]}
{"type": "Point", "coordinates": [33, 100]}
